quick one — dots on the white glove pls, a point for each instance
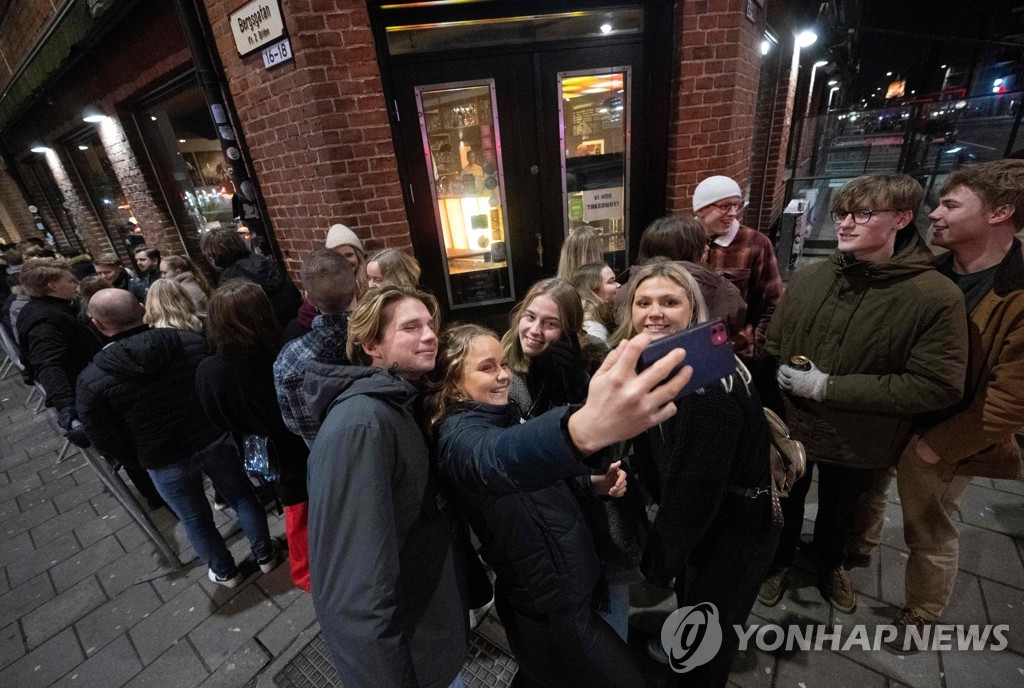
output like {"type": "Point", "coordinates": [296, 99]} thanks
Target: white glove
{"type": "Point", "coordinates": [809, 384]}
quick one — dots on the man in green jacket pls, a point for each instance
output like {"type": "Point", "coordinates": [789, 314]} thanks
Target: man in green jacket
{"type": "Point", "coordinates": [981, 208]}
{"type": "Point", "coordinates": [886, 339]}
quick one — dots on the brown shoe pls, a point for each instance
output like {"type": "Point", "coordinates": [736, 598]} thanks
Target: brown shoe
{"type": "Point", "coordinates": [904, 643]}
{"type": "Point", "coordinates": [773, 587]}
{"type": "Point", "coordinates": [838, 590]}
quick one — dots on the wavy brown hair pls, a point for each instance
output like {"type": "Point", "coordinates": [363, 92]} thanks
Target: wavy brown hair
{"type": "Point", "coordinates": [240, 315]}
{"type": "Point", "coordinates": [582, 246]}
{"type": "Point", "coordinates": [570, 312]}
{"type": "Point", "coordinates": [371, 317]}
{"type": "Point", "coordinates": [183, 264]}
{"type": "Point", "coordinates": [587, 282]}
{"type": "Point", "coordinates": [453, 349]}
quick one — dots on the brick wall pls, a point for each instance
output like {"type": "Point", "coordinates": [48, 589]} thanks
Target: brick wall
{"type": "Point", "coordinates": [775, 114]}
{"type": "Point", "coordinates": [96, 239]}
{"type": "Point", "coordinates": [317, 127]}
{"type": "Point", "coordinates": [22, 24]}
{"type": "Point", "coordinates": [18, 223]}
{"type": "Point", "coordinates": [46, 211]}
{"type": "Point", "coordinates": [714, 87]}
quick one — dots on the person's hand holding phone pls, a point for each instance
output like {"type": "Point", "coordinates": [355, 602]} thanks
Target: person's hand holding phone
{"type": "Point", "coordinates": [622, 403]}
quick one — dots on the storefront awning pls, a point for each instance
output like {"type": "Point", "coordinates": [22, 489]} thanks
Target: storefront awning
{"type": "Point", "coordinates": [75, 22]}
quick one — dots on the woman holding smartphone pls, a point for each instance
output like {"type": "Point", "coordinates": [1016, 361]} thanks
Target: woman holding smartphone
{"type": "Point", "coordinates": [709, 471]}
{"type": "Point", "coordinates": [519, 485]}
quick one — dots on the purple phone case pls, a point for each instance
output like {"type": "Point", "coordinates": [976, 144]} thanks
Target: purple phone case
{"type": "Point", "coordinates": [710, 361]}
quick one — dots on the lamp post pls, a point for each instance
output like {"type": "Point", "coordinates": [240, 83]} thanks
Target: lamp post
{"type": "Point", "coordinates": [810, 88]}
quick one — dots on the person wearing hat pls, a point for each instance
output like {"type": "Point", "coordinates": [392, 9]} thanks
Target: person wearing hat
{"type": "Point", "coordinates": [742, 255]}
{"type": "Point", "coordinates": [344, 241]}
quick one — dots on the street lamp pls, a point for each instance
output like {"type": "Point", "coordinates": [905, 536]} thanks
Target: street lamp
{"type": "Point", "coordinates": [810, 88]}
{"type": "Point", "coordinates": [806, 38]}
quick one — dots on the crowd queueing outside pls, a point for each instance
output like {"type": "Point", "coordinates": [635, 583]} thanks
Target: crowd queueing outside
{"type": "Point", "coordinates": [411, 458]}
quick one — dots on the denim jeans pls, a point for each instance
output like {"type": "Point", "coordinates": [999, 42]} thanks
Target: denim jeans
{"type": "Point", "coordinates": [181, 486]}
{"type": "Point", "coordinates": [615, 610]}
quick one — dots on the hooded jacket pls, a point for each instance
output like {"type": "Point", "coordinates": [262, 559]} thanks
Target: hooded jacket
{"type": "Point", "coordinates": [284, 297]}
{"type": "Point", "coordinates": [138, 401]}
{"type": "Point", "coordinates": [382, 558]}
{"type": "Point", "coordinates": [511, 482]}
{"type": "Point", "coordinates": [55, 346]}
{"type": "Point", "coordinates": [978, 437]}
{"type": "Point", "coordinates": [893, 338]}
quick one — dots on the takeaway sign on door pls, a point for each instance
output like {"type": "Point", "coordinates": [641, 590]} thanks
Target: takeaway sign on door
{"type": "Point", "coordinates": [256, 24]}
{"type": "Point", "coordinates": [602, 204]}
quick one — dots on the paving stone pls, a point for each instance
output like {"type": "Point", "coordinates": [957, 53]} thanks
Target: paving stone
{"type": "Point", "coordinates": [19, 486]}
{"type": "Point", "coordinates": [279, 586]}
{"type": "Point", "coordinates": [114, 618]}
{"type": "Point", "coordinates": [11, 646]}
{"type": "Point", "coordinates": [983, 668]}
{"type": "Point", "coordinates": [753, 669]}
{"type": "Point", "coordinates": [174, 582]}
{"type": "Point", "coordinates": [107, 523]}
{"type": "Point", "coordinates": [131, 536]}
{"type": "Point", "coordinates": [990, 555]}
{"type": "Point", "coordinates": [15, 548]}
{"type": "Point", "coordinates": [24, 598]}
{"type": "Point", "coordinates": [280, 632]}
{"type": "Point", "coordinates": [240, 667]}
{"type": "Point", "coordinates": [29, 519]}
{"type": "Point", "coordinates": [62, 611]}
{"type": "Point", "coordinates": [1014, 486]}
{"type": "Point", "coordinates": [162, 628]}
{"type": "Point", "coordinates": [801, 603]}
{"type": "Point", "coordinates": [179, 667]}
{"type": "Point", "coordinates": [131, 568]}
{"type": "Point", "coordinates": [61, 525]}
{"type": "Point", "coordinates": [111, 667]}
{"type": "Point", "coordinates": [894, 567]}
{"type": "Point", "coordinates": [5, 587]}
{"type": "Point", "coordinates": [9, 509]}
{"type": "Point", "coordinates": [992, 509]}
{"type": "Point", "coordinates": [39, 560]}
{"type": "Point", "coordinates": [4, 480]}
{"type": "Point", "coordinates": [966, 605]}
{"type": "Point", "coordinates": [85, 563]}
{"type": "Point", "coordinates": [66, 468]}
{"type": "Point", "coordinates": [1006, 606]}
{"type": "Point", "coordinates": [44, 665]}
{"type": "Point", "coordinates": [45, 492]}
{"type": "Point", "coordinates": [824, 668]}
{"type": "Point", "coordinates": [11, 458]}
{"type": "Point", "coordinates": [76, 495]}
{"type": "Point", "coordinates": [867, 580]}
{"type": "Point", "coordinates": [235, 622]}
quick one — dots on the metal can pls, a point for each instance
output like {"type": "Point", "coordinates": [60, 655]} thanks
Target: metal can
{"type": "Point", "coordinates": [800, 362]}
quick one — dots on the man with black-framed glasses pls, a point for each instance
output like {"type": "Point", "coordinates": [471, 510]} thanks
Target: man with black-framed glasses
{"type": "Point", "coordinates": [886, 339]}
{"type": "Point", "coordinates": [742, 255]}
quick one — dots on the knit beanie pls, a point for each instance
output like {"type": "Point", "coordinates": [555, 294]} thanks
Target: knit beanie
{"type": "Point", "coordinates": [340, 235]}
{"type": "Point", "coordinates": [714, 189]}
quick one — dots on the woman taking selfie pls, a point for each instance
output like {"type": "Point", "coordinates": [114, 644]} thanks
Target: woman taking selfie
{"type": "Point", "coordinates": [709, 471]}
{"type": "Point", "coordinates": [519, 485]}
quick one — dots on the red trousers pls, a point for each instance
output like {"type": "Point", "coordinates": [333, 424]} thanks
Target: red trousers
{"type": "Point", "coordinates": [296, 525]}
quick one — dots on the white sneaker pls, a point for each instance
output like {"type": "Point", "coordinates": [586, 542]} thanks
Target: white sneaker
{"type": "Point", "coordinates": [232, 582]}
{"type": "Point", "coordinates": [273, 560]}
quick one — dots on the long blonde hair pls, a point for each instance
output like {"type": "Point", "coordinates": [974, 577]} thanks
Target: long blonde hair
{"type": "Point", "coordinates": [670, 271]}
{"type": "Point", "coordinates": [184, 265]}
{"type": "Point", "coordinates": [169, 305]}
{"type": "Point", "coordinates": [587, 281]}
{"type": "Point", "coordinates": [452, 351]}
{"type": "Point", "coordinates": [582, 246]}
{"type": "Point", "coordinates": [397, 267]}
{"type": "Point", "coordinates": [570, 312]}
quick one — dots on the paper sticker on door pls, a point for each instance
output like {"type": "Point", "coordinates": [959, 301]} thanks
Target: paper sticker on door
{"type": "Point", "coordinates": [602, 204]}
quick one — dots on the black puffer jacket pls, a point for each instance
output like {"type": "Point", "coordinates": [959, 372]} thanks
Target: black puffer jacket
{"type": "Point", "coordinates": [55, 347]}
{"type": "Point", "coordinates": [512, 482]}
{"type": "Point", "coordinates": [236, 389]}
{"type": "Point", "coordinates": [284, 297]}
{"type": "Point", "coordinates": [138, 398]}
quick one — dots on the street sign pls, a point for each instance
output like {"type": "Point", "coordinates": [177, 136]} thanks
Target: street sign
{"type": "Point", "coordinates": [256, 24]}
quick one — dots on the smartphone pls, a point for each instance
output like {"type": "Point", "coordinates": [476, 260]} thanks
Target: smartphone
{"type": "Point", "coordinates": [708, 352]}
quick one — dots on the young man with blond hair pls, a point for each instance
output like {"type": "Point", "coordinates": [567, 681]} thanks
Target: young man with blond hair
{"type": "Point", "coordinates": [980, 209]}
{"type": "Point", "coordinates": [881, 337]}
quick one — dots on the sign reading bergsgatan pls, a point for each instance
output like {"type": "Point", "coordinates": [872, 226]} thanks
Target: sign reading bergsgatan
{"type": "Point", "coordinates": [256, 24]}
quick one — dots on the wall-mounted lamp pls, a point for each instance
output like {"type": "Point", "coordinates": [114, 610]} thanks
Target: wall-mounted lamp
{"type": "Point", "coordinates": [93, 115]}
{"type": "Point", "coordinates": [806, 38]}
{"type": "Point", "coordinates": [39, 147]}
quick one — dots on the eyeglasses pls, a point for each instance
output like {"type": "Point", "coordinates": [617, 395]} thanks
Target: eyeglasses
{"type": "Point", "coordinates": [861, 216]}
{"type": "Point", "coordinates": [728, 207]}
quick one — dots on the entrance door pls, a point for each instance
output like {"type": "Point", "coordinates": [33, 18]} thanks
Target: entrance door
{"type": "Point", "coordinates": [504, 156]}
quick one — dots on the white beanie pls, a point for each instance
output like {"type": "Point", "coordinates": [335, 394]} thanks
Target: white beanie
{"type": "Point", "coordinates": [340, 235]}
{"type": "Point", "coordinates": [714, 189]}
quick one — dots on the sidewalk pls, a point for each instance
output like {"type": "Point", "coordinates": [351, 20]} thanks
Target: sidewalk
{"type": "Point", "coordinates": [86, 602]}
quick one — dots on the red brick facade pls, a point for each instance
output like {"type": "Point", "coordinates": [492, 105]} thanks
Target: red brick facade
{"type": "Point", "coordinates": [23, 23]}
{"type": "Point", "coordinates": [95, 238]}
{"type": "Point", "coordinates": [317, 128]}
{"type": "Point", "coordinates": [714, 93]}
{"type": "Point", "coordinates": [15, 218]}
{"type": "Point", "coordinates": [775, 106]}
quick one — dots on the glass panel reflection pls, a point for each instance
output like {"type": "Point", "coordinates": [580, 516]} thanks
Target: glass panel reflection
{"type": "Point", "coordinates": [463, 152]}
{"type": "Point", "coordinates": [595, 137]}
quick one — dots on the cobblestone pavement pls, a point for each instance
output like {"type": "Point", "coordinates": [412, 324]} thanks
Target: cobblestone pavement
{"type": "Point", "coordinates": [86, 602]}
